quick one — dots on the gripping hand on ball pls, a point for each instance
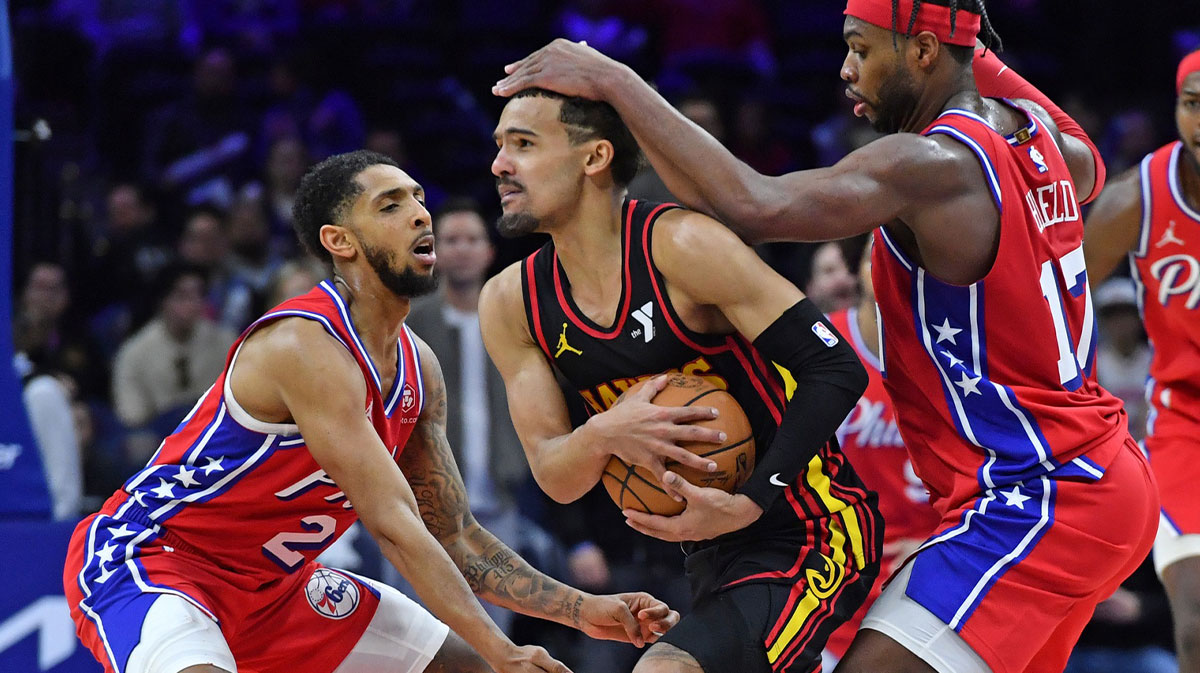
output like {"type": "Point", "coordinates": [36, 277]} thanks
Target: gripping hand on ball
{"type": "Point", "coordinates": [710, 512]}
{"type": "Point", "coordinates": [645, 434]}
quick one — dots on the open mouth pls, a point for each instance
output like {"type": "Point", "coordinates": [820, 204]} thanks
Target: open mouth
{"type": "Point", "coordinates": [423, 249]}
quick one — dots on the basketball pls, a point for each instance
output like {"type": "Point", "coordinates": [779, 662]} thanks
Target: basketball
{"type": "Point", "coordinates": [635, 487]}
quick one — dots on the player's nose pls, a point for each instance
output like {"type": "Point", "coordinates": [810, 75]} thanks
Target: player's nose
{"type": "Point", "coordinates": [501, 165]}
{"type": "Point", "coordinates": [848, 73]}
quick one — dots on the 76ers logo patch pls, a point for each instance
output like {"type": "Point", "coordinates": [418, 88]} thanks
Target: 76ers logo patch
{"type": "Point", "coordinates": [409, 399]}
{"type": "Point", "coordinates": [331, 593]}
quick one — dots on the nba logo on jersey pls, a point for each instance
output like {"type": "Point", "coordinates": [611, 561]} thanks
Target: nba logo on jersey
{"type": "Point", "coordinates": [409, 399]}
{"type": "Point", "coordinates": [331, 593]}
{"type": "Point", "coordinates": [824, 334]}
{"type": "Point", "coordinates": [1038, 160]}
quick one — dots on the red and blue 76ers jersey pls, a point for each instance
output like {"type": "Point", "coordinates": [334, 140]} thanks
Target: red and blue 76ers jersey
{"type": "Point", "coordinates": [1167, 272]}
{"type": "Point", "coordinates": [993, 382]}
{"type": "Point", "coordinates": [248, 495]}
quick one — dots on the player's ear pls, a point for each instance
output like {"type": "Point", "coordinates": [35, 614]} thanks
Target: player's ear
{"type": "Point", "coordinates": [599, 158]}
{"type": "Point", "coordinates": [924, 48]}
{"type": "Point", "coordinates": [338, 240]}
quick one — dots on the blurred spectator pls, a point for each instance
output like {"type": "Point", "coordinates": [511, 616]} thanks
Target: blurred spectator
{"type": "Point", "coordinates": [702, 111]}
{"type": "Point", "coordinates": [478, 425]}
{"type": "Point", "coordinates": [389, 142]}
{"type": "Point", "coordinates": [195, 146]}
{"type": "Point", "coordinates": [251, 261]}
{"type": "Point", "coordinates": [253, 25]}
{"type": "Point", "coordinates": [1123, 355]}
{"type": "Point", "coordinates": [1130, 136]}
{"type": "Point", "coordinates": [129, 250]}
{"type": "Point", "coordinates": [327, 123]}
{"type": "Point", "coordinates": [592, 21]}
{"type": "Point", "coordinates": [164, 367]}
{"type": "Point", "coordinates": [55, 342]}
{"type": "Point", "coordinates": [755, 142]}
{"type": "Point", "coordinates": [717, 35]}
{"type": "Point", "coordinates": [47, 400]}
{"type": "Point", "coordinates": [831, 285]}
{"type": "Point", "coordinates": [294, 278]}
{"type": "Point", "coordinates": [115, 23]}
{"type": "Point", "coordinates": [285, 165]}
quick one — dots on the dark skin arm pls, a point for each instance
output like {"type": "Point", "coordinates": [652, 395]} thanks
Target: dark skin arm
{"type": "Point", "coordinates": [930, 191]}
{"type": "Point", "coordinates": [492, 570]}
{"type": "Point", "coordinates": [323, 395]}
{"type": "Point", "coordinates": [1113, 225]}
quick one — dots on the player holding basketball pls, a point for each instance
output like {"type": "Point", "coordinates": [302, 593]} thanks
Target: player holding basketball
{"type": "Point", "coordinates": [871, 440]}
{"type": "Point", "coordinates": [329, 409]}
{"type": "Point", "coordinates": [1046, 503]}
{"type": "Point", "coordinates": [634, 289]}
{"type": "Point", "coordinates": [1150, 214]}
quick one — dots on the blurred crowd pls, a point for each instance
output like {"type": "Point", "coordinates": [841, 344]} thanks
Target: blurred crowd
{"type": "Point", "coordinates": [161, 143]}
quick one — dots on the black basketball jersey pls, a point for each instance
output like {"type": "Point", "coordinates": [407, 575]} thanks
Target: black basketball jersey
{"type": "Point", "coordinates": [646, 338]}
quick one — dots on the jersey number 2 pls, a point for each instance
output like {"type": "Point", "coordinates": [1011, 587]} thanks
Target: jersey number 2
{"type": "Point", "coordinates": [1072, 359]}
{"type": "Point", "coordinates": [282, 548]}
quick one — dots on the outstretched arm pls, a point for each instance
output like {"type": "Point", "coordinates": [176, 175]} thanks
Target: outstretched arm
{"type": "Point", "coordinates": [872, 186]}
{"type": "Point", "coordinates": [323, 393]}
{"type": "Point", "coordinates": [493, 571]}
{"type": "Point", "coordinates": [567, 463]}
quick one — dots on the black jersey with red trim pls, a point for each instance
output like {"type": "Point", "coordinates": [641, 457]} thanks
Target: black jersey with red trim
{"type": "Point", "coordinates": [647, 337]}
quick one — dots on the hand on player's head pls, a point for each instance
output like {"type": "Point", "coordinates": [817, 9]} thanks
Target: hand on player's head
{"type": "Point", "coordinates": [570, 68]}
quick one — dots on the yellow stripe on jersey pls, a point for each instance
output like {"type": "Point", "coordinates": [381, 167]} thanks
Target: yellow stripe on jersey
{"type": "Point", "coordinates": [818, 483]}
{"type": "Point", "coordinates": [789, 382]}
{"type": "Point", "coordinates": [820, 586]}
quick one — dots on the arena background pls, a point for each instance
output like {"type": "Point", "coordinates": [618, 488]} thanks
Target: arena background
{"type": "Point", "coordinates": [93, 87]}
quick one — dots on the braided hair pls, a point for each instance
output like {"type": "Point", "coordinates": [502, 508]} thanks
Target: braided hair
{"type": "Point", "coordinates": [988, 35]}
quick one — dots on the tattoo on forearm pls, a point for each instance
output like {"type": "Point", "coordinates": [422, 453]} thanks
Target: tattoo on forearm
{"type": "Point", "coordinates": [498, 574]}
{"type": "Point", "coordinates": [492, 570]}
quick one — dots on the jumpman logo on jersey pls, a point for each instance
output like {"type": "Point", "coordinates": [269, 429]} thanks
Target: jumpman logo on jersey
{"type": "Point", "coordinates": [563, 346]}
{"type": "Point", "coordinates": [1169, 236]}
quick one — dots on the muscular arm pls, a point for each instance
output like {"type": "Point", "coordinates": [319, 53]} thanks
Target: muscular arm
{"type": "Point", "coordinates": [888, 179]}
{"type": "Point", "coordinates": [567, 463]}
{"type": "Point", "coordinates": [323, 393]}
{"type": "Point", "coordinates": [492, 570]}
{"type": "Point", "coordinates": [1113, 225]}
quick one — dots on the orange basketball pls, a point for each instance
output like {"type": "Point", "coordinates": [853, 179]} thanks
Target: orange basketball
{"type": "Point", "coordinates": [636, 488]}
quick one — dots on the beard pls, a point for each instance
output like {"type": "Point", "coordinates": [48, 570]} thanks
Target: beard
{"type": "Point", "coordinates": [514, 225]}
{"type": "Point", "coordinates": [897, 100]}
{"type": "Point", "coordinates": [406, 282]}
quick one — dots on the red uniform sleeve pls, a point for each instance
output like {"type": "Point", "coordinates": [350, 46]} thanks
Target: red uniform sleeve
{"type": "Point", "coordinates": [996, 80]}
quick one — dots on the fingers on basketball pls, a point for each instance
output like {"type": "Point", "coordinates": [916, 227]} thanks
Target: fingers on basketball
{"type": "Point", "coordinates": [633, 487]}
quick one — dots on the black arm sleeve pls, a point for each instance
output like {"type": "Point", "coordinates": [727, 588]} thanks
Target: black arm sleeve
{"type": "Point", "coordinates": [829, 380]}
